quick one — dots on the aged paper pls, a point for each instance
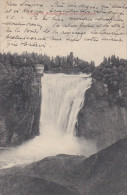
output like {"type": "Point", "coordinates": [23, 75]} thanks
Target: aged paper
{"type": "Point", "coordinates": [63, 97]}
{"type": "Point", "coordinates": [93, 29]}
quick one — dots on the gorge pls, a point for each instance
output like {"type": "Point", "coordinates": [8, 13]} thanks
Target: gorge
{"type": "Point", "coordinates": [73, 150]}
{"type": "Point", "coordinates": [76, 118]}
{"type": "Point", "coordinates": [62, 98]}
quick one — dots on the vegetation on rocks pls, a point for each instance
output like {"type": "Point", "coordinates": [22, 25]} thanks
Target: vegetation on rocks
{"type": "Point", "coordinates": [103, 117]}
{"type": "Point", "coordinates": [112, 72]}
{"type": "Point", "coordinates": [17, 98]}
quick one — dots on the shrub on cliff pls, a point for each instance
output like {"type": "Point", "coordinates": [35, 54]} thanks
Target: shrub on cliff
{"type": "Point", "coordinates": [15, 83]}
{"type": "Point", "coordinates": [19, 98]}
{"type": "Point", "coordinates": [113, 72]}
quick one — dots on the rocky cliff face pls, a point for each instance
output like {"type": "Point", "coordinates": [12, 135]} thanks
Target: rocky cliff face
{"type": "Point", "coordinates": [22, 121]}
{"type": "Point", "coordinates": [102, 173]}
{"type": "Point", "coordinates": [103, 118]}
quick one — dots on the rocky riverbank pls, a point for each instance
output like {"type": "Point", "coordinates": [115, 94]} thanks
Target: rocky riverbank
{"type": "Point", "coordinates": [102, 173]}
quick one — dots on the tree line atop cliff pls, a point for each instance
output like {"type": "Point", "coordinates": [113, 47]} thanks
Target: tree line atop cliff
{"type": "Point", "coordinates": [57, 63]}
{"type": "Point", "coordinates": [112, 72]}
{"type": "Point", "coordinates": [16, 79]}
{"type": "Point", "coordinates": [18, 72]}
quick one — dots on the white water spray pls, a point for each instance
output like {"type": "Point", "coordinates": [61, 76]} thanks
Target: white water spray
{"type": "Point", "coordinates": [62, 98]}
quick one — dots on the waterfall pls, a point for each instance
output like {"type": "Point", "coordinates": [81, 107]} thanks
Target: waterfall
{"type": "Point", "coordinates": [62, 98]}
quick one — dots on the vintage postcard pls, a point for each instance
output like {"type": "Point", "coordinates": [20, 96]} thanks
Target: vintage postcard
{"type": "Point", "coordinates": [63, 97]}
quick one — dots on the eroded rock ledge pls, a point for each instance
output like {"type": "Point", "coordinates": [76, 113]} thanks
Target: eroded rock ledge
{"type": "Point", "coordinates": [103, 117]}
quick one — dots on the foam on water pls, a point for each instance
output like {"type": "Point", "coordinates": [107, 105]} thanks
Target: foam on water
{"type": "Point", "coordinates": [62, 98]}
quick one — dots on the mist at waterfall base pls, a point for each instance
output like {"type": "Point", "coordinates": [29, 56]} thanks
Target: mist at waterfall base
{"type": "Point", "coordinates": [62, 98]}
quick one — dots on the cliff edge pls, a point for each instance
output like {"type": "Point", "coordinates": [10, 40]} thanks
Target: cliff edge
{"type": "Point", "coordinates": [103, 117]}
{"type": "Point", "coordinates": [20, 108]}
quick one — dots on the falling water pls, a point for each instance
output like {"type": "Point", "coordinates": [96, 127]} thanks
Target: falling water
{"type": "Point", "coordinates": [62, 98]}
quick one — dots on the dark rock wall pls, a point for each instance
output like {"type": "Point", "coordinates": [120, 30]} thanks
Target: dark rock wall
{"type": "Point", "coordinates": [103, 118]}
{"type": "Point", "coordinates": [22, 121]}
{"type": "Point", "coordinates": [102, 173]}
